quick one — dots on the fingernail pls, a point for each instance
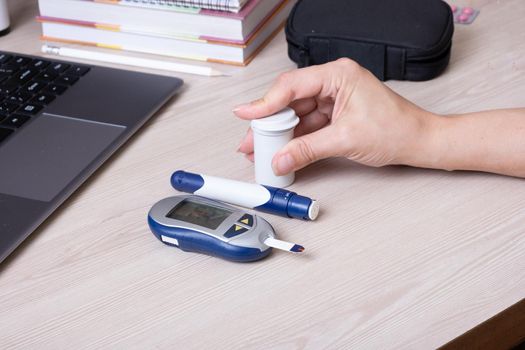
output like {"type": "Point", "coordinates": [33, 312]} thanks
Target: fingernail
{"type": "Point", "coordinates": [241, 107]}
{"type": "Point", "coordinates": [285, 164]}
{"type": "Point", "coordinates": [241, 144]}
{"type": "Point", "coordinates": [248, 105]}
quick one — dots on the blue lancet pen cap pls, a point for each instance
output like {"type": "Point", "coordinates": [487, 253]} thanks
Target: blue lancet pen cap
{"type": "Point", "coordinates": [290, 204]}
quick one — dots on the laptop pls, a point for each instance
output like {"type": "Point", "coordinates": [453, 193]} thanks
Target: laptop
{"type": "Point", "coordinates": [59, 121]}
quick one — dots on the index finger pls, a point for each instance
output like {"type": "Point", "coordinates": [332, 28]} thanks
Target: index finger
{"type": "Point", "coordinates": [290, 86]}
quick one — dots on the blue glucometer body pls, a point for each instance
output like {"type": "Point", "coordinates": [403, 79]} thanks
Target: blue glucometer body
{"type": "Point", "coordinates": [197, 224]}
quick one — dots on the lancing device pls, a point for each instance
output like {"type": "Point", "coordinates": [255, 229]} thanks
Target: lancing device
{"type": "Point", "coordinates": [264, 198]}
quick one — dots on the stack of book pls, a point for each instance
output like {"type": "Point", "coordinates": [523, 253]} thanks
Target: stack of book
{"type": "Point", "coordinates": [225, 31]}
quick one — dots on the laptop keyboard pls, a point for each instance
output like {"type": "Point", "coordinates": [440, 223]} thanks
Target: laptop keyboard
{"type": "Point", "coordinates": [28, 84]}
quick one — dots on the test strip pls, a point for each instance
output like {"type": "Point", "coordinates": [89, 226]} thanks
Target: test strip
{"type": "Point", "coordinates": [282, 245]}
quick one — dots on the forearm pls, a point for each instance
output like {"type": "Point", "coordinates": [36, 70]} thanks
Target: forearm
{"type": "Point", "coordinates": [490, 141]}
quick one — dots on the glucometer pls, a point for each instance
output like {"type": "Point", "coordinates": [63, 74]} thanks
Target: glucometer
{"type": "Point", "coordinates": [197, 224]}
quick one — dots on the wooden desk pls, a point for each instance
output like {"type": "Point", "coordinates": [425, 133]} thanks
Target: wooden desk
{"type": "Point", "coordinates": [399, 258]}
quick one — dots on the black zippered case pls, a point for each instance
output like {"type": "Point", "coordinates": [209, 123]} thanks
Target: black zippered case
{"type": "Point", "coordinates": [394, 39]}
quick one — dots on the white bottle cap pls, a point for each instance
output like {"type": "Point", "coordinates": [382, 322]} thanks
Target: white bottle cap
{"type": "Point", "coordinates": [278, 123]}
{"type": "Point", "coordinates": [270, 135]}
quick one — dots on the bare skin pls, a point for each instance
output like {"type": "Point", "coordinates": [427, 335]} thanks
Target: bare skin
{"type": "Point", "coordinates": [346, 112]}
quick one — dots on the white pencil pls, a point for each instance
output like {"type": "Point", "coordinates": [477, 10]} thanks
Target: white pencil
{"type": "Point", "coordinates": [131, 61]}
{"type": "Point", "coordinates": [287, 246]}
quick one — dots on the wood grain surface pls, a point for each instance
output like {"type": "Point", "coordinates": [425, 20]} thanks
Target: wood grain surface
{"type": "Point", "coordinates": [399, 257]}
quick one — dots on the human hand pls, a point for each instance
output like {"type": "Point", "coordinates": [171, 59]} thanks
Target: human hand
{"type": "Point", "coordinates": [344, 112]}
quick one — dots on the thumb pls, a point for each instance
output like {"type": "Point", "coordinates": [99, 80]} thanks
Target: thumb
{"type": "Point", "coordinates": [304, 150]}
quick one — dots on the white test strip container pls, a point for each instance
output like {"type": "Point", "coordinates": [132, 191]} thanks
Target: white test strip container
{"type": "Point", "coordinates": [270, 135]}
{"type": "Point", "coordinates": [4, 18]}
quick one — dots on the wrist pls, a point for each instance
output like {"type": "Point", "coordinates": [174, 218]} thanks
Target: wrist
{"type": "Point", "coordinates": [428, 146]}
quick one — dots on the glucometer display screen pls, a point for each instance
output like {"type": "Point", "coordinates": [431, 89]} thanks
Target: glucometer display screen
{"type": "Point", "coordinates": [199, 214]}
